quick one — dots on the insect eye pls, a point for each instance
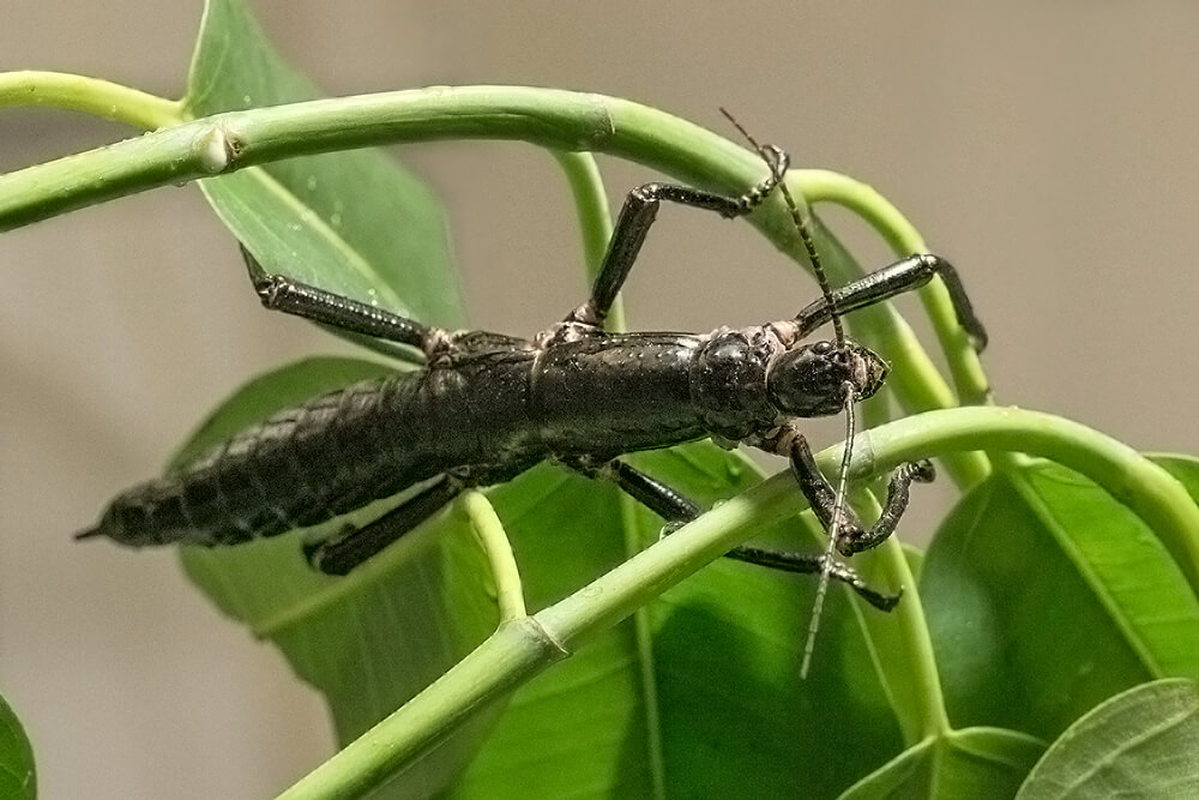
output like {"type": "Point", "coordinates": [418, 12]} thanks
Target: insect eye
{"type": "Point", "coordinates": [822, 348]}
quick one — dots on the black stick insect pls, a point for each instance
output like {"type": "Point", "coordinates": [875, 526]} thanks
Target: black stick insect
{"type": "Point", "coordinates": [487, 407]}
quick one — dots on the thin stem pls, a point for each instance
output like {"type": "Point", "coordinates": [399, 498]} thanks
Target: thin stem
{"type": "Point", "coordinates": [490, 532]}
{"type": "Point", "coordinates": [822, 185]}
{"type": "Point", "coordinates": [90, 96]}
{"type": "Point", "coordinates": [914, 379]}
{"type": "Point", "coordinates": [917, 698]}
{"type": "Point", "coordinates": [595, 221]}
{"type": "Point", "coordinates": [595, 224]}
{"type": "Point", "coordinates": [523, 648]}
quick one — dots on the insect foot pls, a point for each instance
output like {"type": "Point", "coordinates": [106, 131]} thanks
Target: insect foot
{"type": "Point", "coordinates": [855, 539]}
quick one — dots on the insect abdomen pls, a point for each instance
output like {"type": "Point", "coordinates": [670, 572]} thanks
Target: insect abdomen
{"type": "Point", "coordinates": [302, 466]}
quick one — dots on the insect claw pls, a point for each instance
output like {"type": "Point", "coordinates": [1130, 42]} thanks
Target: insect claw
{"type": "Point", "coordinates": [669, 528]}
{"type": "Point", "coordinates": [313, 552]}
{"type": "Point", "coordinates": [883, 602]}
{"type": "Point", "coordinates": [777, 159]}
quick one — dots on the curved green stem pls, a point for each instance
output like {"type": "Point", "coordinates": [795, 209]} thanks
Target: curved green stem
{"type": "Point", "coordinates": [1128, 476]}
{"type": "Point", "coordinates": [490, 532]}
{"type": "Point", "coordinates": [522, 648]}
{"type": "Point", "coordinates": [90, 96]}
{"type": "Point", "coordinates": [822, 185]}
{"type": "Point", "coordinates": [595, 223]}
{"type": "Point", "coordinates": [914, 379]}
{"type": "Point", "coordinates": [910, 677]}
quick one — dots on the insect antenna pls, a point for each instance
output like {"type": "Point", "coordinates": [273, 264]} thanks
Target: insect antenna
{"type": "Point", "coordinates": [769, 155]}
{"type": "Point", "coordinates": [773, 158]}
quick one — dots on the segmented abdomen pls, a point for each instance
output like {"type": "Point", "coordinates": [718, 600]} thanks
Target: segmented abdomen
{"type": "Point", "coordinates": [302, 466]}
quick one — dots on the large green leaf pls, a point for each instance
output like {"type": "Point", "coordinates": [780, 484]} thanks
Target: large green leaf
{"type": "Point", "coordinates": [978, 763]}
{"type": "Point", "coordinates": [354, 223]}
{"type": "Point", "coordinates": [17, 779]}
{"type": "Point", "coordinates": [705, 700]}
{"type": "Point", "coordinates": [1045, 596]}
{"type": "Point", "coordinates": [1142, 743]}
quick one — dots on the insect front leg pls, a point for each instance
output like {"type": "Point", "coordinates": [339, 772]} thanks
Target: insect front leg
{"type": "Point", "coordinates": [676, 508]}
{"type": "Point", "coordinates": [903, 276]}
{"type": "Point", "coordinates": [852, 537]}
{"type": "Point", "coordinates": [637, 215]}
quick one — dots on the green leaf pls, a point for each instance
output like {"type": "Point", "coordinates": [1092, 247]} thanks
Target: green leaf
{"type": "Point", "coordinates": [354, 223]}
{"type": "Point", "coordinates": [17, 778]}
{"type": "Point", "coordinates": [1045, 596]}
{"type": "Point", "coordinates": [1142, 743]}
{"type": "Point", "coordinates": [706, 699]}
{"type": "Point", "coordinates": [978, 763]}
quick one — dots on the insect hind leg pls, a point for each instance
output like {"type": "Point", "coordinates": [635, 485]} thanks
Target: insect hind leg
{"type": "Point", "coordinates": [345, 551]}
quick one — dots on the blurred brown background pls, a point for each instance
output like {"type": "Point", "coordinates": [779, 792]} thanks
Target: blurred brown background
{"type": "Point", "coordinates": [1048, 149]}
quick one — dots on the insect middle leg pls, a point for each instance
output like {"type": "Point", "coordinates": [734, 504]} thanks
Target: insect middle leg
{"type": "Point", "coordinates": [343, 552]}
{"type": "Point", "coordinates": [638, 214]}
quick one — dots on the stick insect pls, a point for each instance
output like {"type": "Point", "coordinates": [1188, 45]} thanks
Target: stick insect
{"type": "Point", "coordinates": [488, 406]}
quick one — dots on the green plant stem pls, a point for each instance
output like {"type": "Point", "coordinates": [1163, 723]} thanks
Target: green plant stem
{"type": "Point", "coordinates": [920, 713]}
{"type": "Point", "coordinates": [522, 648]}
{"type": "Point", "coordinates": [488, 529]}
{"type": "Point", "coordinates": [595, 225]}
{"type": "Point", "coordinates": [913, 379]}
{"type": "Point", "coordinates": [555, 119]}
{"type": "Point", "coordinates": [90, 96]}
{"type": "Point", "coordinates": [819, 185]}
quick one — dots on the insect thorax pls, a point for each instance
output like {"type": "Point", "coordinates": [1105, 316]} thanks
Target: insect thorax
{"type": "Point", "coordinates": [728, 381]}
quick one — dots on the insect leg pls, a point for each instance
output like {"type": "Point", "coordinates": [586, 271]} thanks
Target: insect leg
{"type": "Point", "coordinates": [674, 507]}
{"type": "Point", "coordinates": [280, 293]}
{"type": "Point", "coordinates": [340, 554]}
{"type": "Point", "coordinates": [853, 537]}
{"type": "Point", "coordinates": [637, 215]}
{"type": "Point", "coordinates": [883, 284]}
